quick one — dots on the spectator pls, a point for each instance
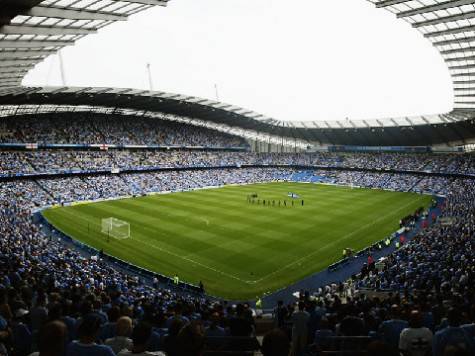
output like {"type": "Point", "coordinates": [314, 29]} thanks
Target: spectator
{"type": "Point", "coordinates": [52, 339]}
{"type": "Point", "coordinates": [275, 343]}
{"type": "Point", "coordinates": [415, 340]}
{"type": "Point", "coordinates": [280, 314]}
{"type": "Point", "coordinates": [299, 320]}
{"type": "Point", "coordinates": [453, 337]}
{"type": "Point", "coordinates": [214, 330]}
{"type": "Point", "coordinates": [123, 331]}
{"type": "Point", "coordinates": [88, 332]}
{"type": "Point", "coordinates": [170, 342]}
{"type": "Point", "coordinates": [191, 339]}
{"type": "Point", "coordinates": [140, 336]}
{"type": "Point", "coordinates": [391, 329]}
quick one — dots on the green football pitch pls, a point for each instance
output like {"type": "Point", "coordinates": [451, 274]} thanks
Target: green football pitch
{"type": "Point", "coordinates": [241, 250]}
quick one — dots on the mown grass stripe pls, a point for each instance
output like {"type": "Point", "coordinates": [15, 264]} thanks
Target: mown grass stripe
{"type": "Point", "coordinates": [237, 249]}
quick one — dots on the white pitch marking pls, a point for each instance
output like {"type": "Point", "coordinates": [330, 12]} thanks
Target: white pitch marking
{"type": "Point", "coordinates": [280, 269]}
{"type": "Point", "coordinates": [332, 243]}
{"type": "Point", "coordinates": [197, 263]}
{"type": "Point", "coordinates": [284, 267]}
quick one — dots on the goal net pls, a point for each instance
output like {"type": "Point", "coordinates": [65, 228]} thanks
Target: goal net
{"type": "Point", "coordinates": [116, 228]}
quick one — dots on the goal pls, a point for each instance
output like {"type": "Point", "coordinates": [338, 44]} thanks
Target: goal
{"type": "Point", "coordinates": [116, 228]}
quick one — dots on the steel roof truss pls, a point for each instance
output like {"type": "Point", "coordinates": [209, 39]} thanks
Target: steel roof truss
{"type": "Point", "coordinates": [33, 44]}
{"type": "Point", "coordinates": [445, 19]}
{"type": "Point", "coordinates": [73, 14]}
{"type": "Point", "coordinates": [45, 30]}
{"type": "Point", "coordinates": [435, 7]}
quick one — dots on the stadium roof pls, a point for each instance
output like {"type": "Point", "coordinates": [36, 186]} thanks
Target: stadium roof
{"type": "Point", "coordinates": [450, 27]}
{"type": "Point", "coordinates": [449, 128]}
{"type": "Point", "coordinates": [140, 100]}
{"type": "Point", "coordinates": [31, 30]}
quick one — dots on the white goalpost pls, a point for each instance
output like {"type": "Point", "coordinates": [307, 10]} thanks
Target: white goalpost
{"type": "Point", "coordinates": [116, 228]}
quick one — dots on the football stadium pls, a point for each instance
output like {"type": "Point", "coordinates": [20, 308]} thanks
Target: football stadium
{"type": "Point", "coordinates": [139, 221]}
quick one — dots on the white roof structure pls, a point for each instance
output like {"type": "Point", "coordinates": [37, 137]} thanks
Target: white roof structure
{"type": "Point", "coordinates": [450, 27]}
{"type": "Point", "coordinates": [31, 30]}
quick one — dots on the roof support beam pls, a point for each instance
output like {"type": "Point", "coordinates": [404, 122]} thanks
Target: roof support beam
{"type": "Point", "coordinates": [44, 30]}
{"type": "Point", "coordinates": [445, 19]}
{"type": "Point", "coordinates": [463, 82]}
{"type": "Point", "coordinates": [24, 54]}
{"type": "Point", "coordinates": [454, 117]}
{"type": "Point", "coordinates": [16, 63]}
{"type": "Point", "coordinates": [73, 14]}
{"type": "Point", "coordinates": [9, 81]}
{"type": "Point", "coordinates": [425, 120]}
{"type": "Point", "coordinates": [461, 112]}
{"type": "Point", "coordinates": [33, 44]}
{"type": "Point", "coordinates": [464, 66]}
{"type": "Point", "coordinates": [11, 76]}
{"type": "Point", "coordinates": [149, 2]}
{"type": "Point", "coordinates": [390, 3]}
{"type": "Point", "coordinates": [451, 31]}
{"type": "Point", "coordinates": [436, 7]}
{"type": "Point", "coordinates": [464, 74]}
{"type": "Point", "coordinates": [6, 86]}
{"type": "Point", "coordinates": [455, 41]}
{"type": "Point", "coordinates": [14, 69]}
{"type": "Point", "coordinates": [19, 74]}
{"type": "Point", "coordinates": [458, 50]}
{"type": "Point", "coordinates": [457, 59]}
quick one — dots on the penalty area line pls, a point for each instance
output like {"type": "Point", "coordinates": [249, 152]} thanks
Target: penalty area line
{"type": "Point", "coordinates": [197, 263]}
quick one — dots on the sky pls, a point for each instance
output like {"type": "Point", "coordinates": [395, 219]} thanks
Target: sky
{"type": "Point", "coordinates": [293, 60]}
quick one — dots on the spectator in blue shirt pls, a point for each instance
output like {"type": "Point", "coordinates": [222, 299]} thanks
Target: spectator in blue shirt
{"type": "Point", "coordinates": [88, 332]}
{"type": "Point", "coordinates": [214, 330]}
{"type": "Point", "coordinates": [453, 336]}
{"type": "Point", "coordinates": [391, 329]}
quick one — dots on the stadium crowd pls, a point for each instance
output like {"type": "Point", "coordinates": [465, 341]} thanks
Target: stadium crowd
{"type": "Point", "coordinates": [80, 128]}
{"type": "Point", "coordinates": [57, 300]}
{"type": "Point", "coordinates": [424, 300]}
{"type": "Point", "coordinates": [60, 160]}
{"type": "Point", "coordinates": [52, 293]}
{"type": "Point", "coordinates": [92, 188]}
{"type": "Point", "coordinates": [48, 191]}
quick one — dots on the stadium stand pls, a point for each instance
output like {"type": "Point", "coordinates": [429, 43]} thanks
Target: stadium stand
{"type": "Point", "coordinates": [46, 280]}
{"type": "Point", "coordinates": [62, 145]}
{"type": "Point", "coordinates": [109, 129]}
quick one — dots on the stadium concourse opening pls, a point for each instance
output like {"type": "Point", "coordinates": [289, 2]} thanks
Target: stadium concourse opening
{"type": "Point", "coordinates": [140, 222]}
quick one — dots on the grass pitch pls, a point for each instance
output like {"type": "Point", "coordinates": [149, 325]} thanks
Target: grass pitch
{"type": "Point", "coordinates": [241, 250]}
